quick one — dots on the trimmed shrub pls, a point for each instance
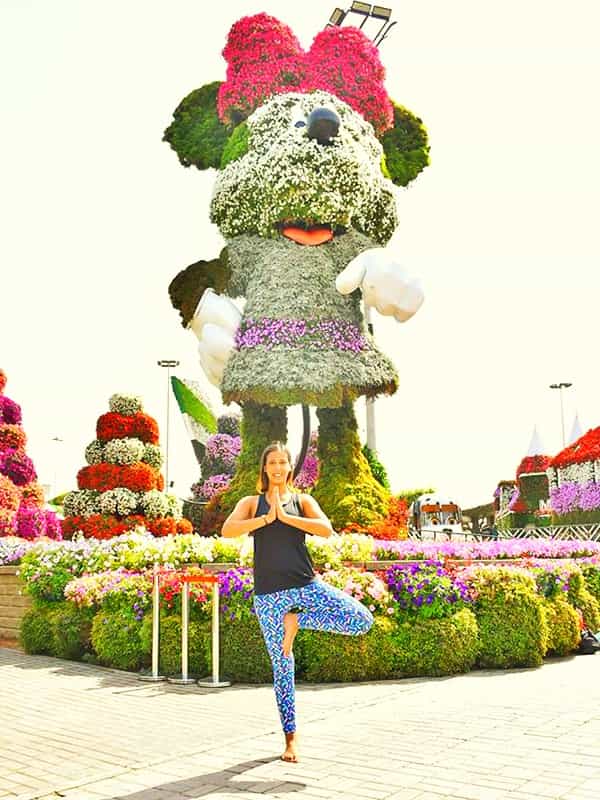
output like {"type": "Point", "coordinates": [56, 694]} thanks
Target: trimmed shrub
{"type": "Point", "coordinates": [116, 640]}
{"type": "Point", "coordinates": [244, 655]}
{"type": "Point", "coordinates": [71, 628]}
{"type": "Point", "coordinates": [326, 657]}
{"type": "Point", "coordinates": [170, 645]}
{"type": "Point", "coordinates": [591, 576]}
{"type": "Point", "coordinates": [36, 633]}
{"type": "Point", "coordinates": [563, 626]}
{"type": "Point", "coordinates": [437, 646]}
{"type": "Point", "coordinates": [581, 598]}
{"type": "Point", "coordinates": [512, 626]}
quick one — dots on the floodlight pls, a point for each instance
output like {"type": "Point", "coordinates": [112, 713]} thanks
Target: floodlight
{"type": "Point", "coordinates": [379, 12]}
{"type": "Point", "coordinates": [337, 17]}
{"type": "Point", "coordinates": [361, 8]}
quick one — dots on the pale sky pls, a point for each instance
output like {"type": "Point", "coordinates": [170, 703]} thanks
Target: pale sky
{"type": "Point", "coordinates": [502, 228]}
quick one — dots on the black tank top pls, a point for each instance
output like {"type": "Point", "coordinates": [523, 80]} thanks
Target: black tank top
{"type": "Point", "coordinates": [281, 560]}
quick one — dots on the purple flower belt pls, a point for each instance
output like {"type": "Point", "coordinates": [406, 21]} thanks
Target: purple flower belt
{"type": "Point", "coordinates": [318, 334]}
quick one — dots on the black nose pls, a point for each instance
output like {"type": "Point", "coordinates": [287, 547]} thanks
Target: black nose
{"type": "Point", "coordinates": [323, 125]}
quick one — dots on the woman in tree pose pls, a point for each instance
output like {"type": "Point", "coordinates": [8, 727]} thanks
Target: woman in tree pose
{"type": "Point", "coordinates": [287, 593]}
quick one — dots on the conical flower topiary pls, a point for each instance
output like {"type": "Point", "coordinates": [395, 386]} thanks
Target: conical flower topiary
{"type": "Point", "coordinates": [21, 496]}
{"type": "Point", "coordinates": [122, 486]}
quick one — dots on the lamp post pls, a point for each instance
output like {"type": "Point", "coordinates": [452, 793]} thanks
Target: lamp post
{"type": "Point", "coordinates": [58, 441]}
{"type": "Point", "coordinates": [560, 387]}
{"type": "Point", "coordinates": [169, 364]}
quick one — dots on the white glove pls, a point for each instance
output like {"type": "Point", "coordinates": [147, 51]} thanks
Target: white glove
{"type": "Point", "coordinates": [385, 284]}
{"type": "Point", "coordinates": [215, 322]}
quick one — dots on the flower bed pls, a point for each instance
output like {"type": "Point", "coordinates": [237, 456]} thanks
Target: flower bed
{"type": "Point", "coordinates": [436, 611]}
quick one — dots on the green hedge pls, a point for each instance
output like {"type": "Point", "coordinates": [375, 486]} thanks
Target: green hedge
{"type": "Point", "coordinates": [437, 646]}
{"type": "Point", "coordinates": [326, 657]}
{"type": "Point", "coordinates": [170, 645]}
{"type": "Point", "coordinates": [244, 655]}
{"type": "Point", "coordinates": [563, 626]}
{"type": "Point", "coordinates": [581, 598]}
{"type": "Point", "coordinates": [61, 630]}
{"type": "Point", "coordinates": [117, 641]}
{"type": "Point", "coordinates": [512, 626]}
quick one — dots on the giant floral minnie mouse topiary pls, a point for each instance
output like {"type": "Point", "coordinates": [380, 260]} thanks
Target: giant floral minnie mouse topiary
{"type": "Point", "coordinates": [307, 146]}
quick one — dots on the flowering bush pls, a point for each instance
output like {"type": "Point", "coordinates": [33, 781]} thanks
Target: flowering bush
{"type": "Point", "coordinates": [153, 456]}
{"type": "Point", "coordinates": [229, 423]}
{"type": "Point", "coordinates": [33, 522]}
{"type": "Point", "coordinates": [32, 494]}
{"type": "Point", "coordinates": [307, 477]}
{"type": "Point", "coordinates": [113, 590]}
{"type": "Point", "coordinates": [94, 452]}
{"type": "Point", "coordinates": [102, 477]}
{"type": "Point", "coordinates": [586, 448]}
{"type": "Point", "coordinates": [575, 496]}
{"type": "Point", "coordinates": [206, 490]}
{"type": "Point", "coordinates": [222, 452]}
{"type": "Point", "coordinates": [533, 464]}
{"type": "Point", "coordinates": [125, 404]}
{"type": "Point", "coordinates": [124, 451]}
{"type": "Point", "coordinates": [121, 426]}
{"type": "Point", "coordinates": [367, 587]}
{"type": "Point", "coordinates": [118, 501]}
{"type": "Point", "coordinates": [17, 466]}
{"type": "Point", "coordinates": [13, 437]}
{"type": "Point", "coordinates": [426, 591]}
{"type": "Point", "coordinates": [82, 503]}
{"type": "Point", "coordinates": [10, 412]}
{"type": "Point", "coordinates": [10, 497]}
{"type": "Point", "coordinates": [501, 548]}
{"type": "Point", "coordinates": [235, 590]}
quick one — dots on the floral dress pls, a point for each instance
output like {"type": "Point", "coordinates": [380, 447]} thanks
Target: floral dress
{"type": "Point", "coordinates": [300, 340]}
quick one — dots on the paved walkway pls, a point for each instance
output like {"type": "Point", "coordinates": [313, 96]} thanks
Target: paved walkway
{"type": "Point", "coordinates": [84, 733]}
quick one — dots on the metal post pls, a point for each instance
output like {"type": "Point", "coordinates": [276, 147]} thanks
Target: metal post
{"type": "Point", "coordinates": [214, 682]}
{"type": "Point", "coordinates": [185, 622]}
{"type": "Point", "coordinates": [154, 676]}
{"type": "Point", "coordinates": [169, 364]}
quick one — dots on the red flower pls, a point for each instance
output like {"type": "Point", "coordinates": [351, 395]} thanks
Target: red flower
{"type": "Point", "coordinates": [265, 59]}
{"type": "Point", "coordinates": [102, 477]}
{"type": "Point", "coordinates": [533, 464]}
{"type": "Point", "coordinates": [586, 448]}
{"type": "Point", "coordinates": [121, 426]}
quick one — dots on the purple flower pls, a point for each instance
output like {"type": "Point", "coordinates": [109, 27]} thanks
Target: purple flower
{"type": "Point", "coordinates": [10, 412]}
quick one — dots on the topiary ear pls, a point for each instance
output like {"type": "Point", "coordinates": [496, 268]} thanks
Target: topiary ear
{"type": "Point", "coordinates": [405, 146]}
{"type": "Point", "coordinates": [196, 133]}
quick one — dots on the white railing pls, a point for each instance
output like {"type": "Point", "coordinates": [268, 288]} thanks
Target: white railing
{"type": "Point", "coordinates": [589, 532]}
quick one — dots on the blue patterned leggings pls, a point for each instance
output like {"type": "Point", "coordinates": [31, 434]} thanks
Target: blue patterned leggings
{"type": "Point", "coordinates": [324, 608]}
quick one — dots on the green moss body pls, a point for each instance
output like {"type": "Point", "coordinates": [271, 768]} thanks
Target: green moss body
{"type": "Point", "coordinates": [437, 646]}
{"type": "Point", "coordinates": [285, 281]}
{"type": "Point", "coordinates": [346, 489]}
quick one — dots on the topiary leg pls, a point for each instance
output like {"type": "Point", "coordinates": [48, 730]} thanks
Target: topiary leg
{"type": "Point", "coordinates": [260, 426]}
{"type": "Point", "coordinates": [346, 490]}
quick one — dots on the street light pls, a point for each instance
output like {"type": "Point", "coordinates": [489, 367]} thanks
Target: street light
{"type": "Point", "coordinates": [169, 364]}
{"type": "Point", "coordinates": [560, 387]}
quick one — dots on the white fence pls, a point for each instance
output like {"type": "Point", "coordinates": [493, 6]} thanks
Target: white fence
{"type": "Point", "coordinates": [587, 532]}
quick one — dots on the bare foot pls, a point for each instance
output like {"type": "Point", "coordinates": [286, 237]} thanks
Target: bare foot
{"type": "Point", "coordinates": [290, 629]}
{"type": "Point", "coordinates": [290, 754]}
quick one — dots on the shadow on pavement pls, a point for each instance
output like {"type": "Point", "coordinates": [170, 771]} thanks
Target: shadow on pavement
{"type": "Point", "coordinates": [223, 779]}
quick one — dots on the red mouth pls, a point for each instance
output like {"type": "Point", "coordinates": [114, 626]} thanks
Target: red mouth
{"type": "Point", "coordinates": [311, 235]}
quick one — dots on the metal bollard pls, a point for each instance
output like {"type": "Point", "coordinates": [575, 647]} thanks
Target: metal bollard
{"type": "Point", "coordinates": [214, 682]}
{"type": "Point", "coordinates": [185, 623]}
{"type": "Point", "coordinates": [154, 676]}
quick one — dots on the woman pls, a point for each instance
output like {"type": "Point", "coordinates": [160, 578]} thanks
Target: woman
{"type": "Point", "coordinates": [287, 594]}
